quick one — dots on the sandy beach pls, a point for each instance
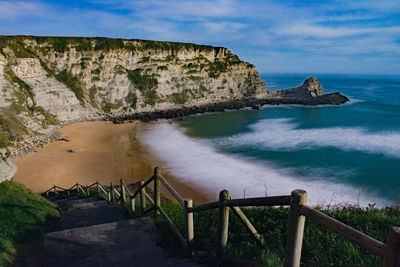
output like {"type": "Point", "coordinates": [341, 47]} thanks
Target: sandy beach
{"type": "Point", "coordinates": [94, 151]}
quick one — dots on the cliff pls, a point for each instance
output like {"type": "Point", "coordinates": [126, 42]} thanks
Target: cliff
{"type": "Point", "coordinates": [46, 82]}
{"type": "Point", "coordinates": [50, 81]}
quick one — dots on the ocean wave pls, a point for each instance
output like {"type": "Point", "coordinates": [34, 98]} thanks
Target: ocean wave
{"type": "Point", "coordinates": [283, 134]}
{"type": "Point", "coordinates": [200, 163]}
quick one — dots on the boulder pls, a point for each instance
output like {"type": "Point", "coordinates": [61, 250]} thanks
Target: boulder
{"type": "Point", "coordinates": [7, 167]}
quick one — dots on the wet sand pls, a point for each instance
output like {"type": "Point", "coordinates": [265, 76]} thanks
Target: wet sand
{"type": "Point", "coordinates": [95, 151]}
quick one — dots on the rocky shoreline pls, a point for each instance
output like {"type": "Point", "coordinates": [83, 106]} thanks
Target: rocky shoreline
{"type": "Point", "coordinates": [327, 99]}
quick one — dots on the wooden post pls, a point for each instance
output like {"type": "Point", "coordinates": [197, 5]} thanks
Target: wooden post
{"type": "Point", "coordinates": [97, 187]}
{"type": "Point", "coordinates": [189, 222]}
{"type": "Point", "coordinates": [392, 253]}
{"type": "Point", "coordinates": [54, 189]}
{"type": "Point", "coordinates": [142, 197]}
{"type": "Point", "coordinates": [123, 194]}
{"type": "Point", "coordinates": [112, 193]}
{"type": "Point", "coordinates": [87, 191]}
{"type": "Point", "coordinates": [132, 207]}
{"type": "Point", "coordinates": [157, 195]}
{"type": "Point", "coordinates": [296, 229]}
{"type": "Point", "coordinates": [223, 222]}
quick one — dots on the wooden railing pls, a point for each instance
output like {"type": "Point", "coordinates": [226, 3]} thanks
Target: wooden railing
{"type": "Point", "coordinates": [298, 212]}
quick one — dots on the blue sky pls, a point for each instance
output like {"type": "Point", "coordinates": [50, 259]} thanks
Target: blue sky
{"type": "Point", "coordinates": [277, 36]}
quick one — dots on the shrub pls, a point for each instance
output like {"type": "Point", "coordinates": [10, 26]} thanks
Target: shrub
{"type": "Point", "coordinates": [215, 68]}
{"type": "Point", "coordinates": [60, 45]}
{"type": "Point", "coordinates": [179, 98]}
{"type": "Point", "coordinates": [108, 44]}
{"type": "Point", "coordinates": [146, 84]}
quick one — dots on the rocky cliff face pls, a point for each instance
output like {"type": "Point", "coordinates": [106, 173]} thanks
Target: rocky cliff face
{"type": "Point", "coordinates": [48, 81]}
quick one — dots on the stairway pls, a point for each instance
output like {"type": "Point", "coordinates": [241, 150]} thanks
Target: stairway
{"type": "Point", "coordinates": [94, 233]}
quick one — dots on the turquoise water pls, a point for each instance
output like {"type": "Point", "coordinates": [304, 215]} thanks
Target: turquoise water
{"type": "Point", "coordinates": [352, 149]}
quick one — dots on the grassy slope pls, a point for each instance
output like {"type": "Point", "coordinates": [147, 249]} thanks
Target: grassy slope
{"type": "Point", "coordinates": [23, 218]}
{"type": "Point", "coordinates": [321, 247]}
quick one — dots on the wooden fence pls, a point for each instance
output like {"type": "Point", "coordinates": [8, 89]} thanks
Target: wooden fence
{"type": "Point", "coordinates": [298, 212]}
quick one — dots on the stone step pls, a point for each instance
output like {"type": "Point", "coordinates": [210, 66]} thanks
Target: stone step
{"type": "Point", "coordinates": [80, 214]}
{"type": "Point", "coordinates": [90, 204]}
{"type": "Point", "coordinates": [124, 243]}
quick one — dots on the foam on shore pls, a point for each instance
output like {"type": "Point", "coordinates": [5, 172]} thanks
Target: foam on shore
{"type": "Point", "coordinates": [201, 164]}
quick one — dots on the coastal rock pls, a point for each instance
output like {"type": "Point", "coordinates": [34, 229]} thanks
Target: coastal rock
{"type": "Point", "coordinates": [7, 167]}
{"type": "Point", "coordinates": [310, 92]}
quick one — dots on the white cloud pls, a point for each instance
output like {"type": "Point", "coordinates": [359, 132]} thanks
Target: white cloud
{"type": "Point", "coordinates": [17, 9]}
{"type": "Point", "coordinates": [346, 29]}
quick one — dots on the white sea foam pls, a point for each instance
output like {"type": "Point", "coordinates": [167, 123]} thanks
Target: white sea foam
{"type": "Point", "coordinates": [282, 134]}
{"type": "Point", "coordinates": [200, 163]}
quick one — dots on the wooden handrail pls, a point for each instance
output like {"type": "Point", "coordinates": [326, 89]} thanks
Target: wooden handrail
{"type": "Point", "coordinates": [172, 226]}
{"type": "Point", "coordinates": [80, 187]}
{"type": "Point", "coordinates": [208, 206]}
{"type": "Point", "coordinates": [361, 239]}
{"type": "Point", "coordinates": [258, 201]}
{"type": "Point", "coordinates": [298, 212]}
{"type": "Point", "coordinates": [105, 191]}
{"type": "Point", "coordinates": [116, 191]}
{"type": "Point", "coordinates": [172, 190]}
{"type": "Point", "coordinates": [126, 188]}
{"type": "Point", "coordinates": [249, 226]}
{"type": "Point", "coordinates": [88, 186]}
{"type": "Point", "coordinates": [72, 187]}
{"type": "Point", "coordinates": [48, 190]}
{"type": "Point", "coordinates": [149, 198]}
{"type": "Point", "coordinates": [142, 186]}
{"type": "Point", "coordinates": [61, 188]}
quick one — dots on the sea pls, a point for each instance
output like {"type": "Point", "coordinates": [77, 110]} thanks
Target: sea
{"type": "Point", "coordinates": [341, 155]}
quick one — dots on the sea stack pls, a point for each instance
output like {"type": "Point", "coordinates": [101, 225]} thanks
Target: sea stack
{"type": "Point", "coordinates": [310, 92]}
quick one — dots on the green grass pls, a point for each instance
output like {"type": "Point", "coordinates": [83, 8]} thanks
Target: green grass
{"type": "Point", "coordinates": [321, 247]}
{"type": "Point", "coordinates": [23, 218]}
{"type": "Point", "coordinates": [11, 128]}
{"type": "Point", "coordinates": [73, 83]}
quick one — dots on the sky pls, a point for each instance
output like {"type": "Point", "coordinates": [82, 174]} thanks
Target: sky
{"type": "Point", "coordinates": [349, 36]}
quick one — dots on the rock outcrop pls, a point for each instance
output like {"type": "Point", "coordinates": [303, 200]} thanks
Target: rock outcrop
{"type": "Point", "coordinates": [310, 92]}
{"type": "Point", "coordinates": [7, 168]}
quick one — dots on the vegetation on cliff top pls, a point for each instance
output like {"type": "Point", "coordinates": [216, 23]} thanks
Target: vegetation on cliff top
{"type": "Point", "coordinates": [62, 44]}
{"type": "Point", "coordinates": [23, 218]}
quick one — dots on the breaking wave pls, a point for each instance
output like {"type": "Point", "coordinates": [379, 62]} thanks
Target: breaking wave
{"type": "Point", "coordinates": [200, 163]}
